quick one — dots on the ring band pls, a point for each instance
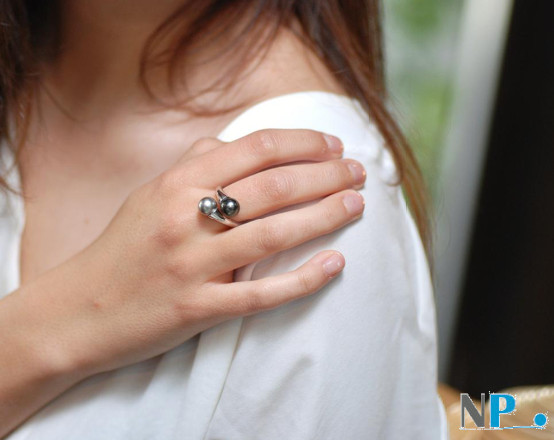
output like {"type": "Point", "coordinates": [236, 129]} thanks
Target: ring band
{"type": "Point", "coordinates": [220, 210]}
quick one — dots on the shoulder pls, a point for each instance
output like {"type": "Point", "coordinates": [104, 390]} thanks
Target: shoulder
{"type": "Point", "coordinates": [387, 230]}
{"type": "Point", "coordinates": [384, 244]}
{"type": "Point", "coordinates": [317, 110]}
{"type": "Point", "coordinates": [369, 332]}
{"type": "Point", "coordinates": [327, 112]}
{"type": "Point", "coordinates": [386, 218]}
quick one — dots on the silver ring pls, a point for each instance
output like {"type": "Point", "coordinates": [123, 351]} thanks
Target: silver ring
{"type": "Point", "coordinates": [228, 206]}
{"type": "Point", "coordinates": [220, 210]}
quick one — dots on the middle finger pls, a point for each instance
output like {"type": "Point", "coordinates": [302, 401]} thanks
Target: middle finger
{"type": "Point", "coordinates": [276, 188]}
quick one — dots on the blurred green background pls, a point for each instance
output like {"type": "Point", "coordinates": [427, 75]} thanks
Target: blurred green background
{"type": "Point", "coordinates": [420, 54]}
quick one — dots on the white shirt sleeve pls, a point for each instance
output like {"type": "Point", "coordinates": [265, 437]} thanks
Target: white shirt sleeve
{"type": "Point", "coordinates": [356, 360]}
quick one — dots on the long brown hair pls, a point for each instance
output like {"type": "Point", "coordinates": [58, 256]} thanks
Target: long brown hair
{"type": "Point", "coordinates": [345, 34]}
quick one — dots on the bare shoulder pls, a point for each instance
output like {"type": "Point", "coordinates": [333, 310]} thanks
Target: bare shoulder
{"type": "Point", "coordinates": [289, 66]}
{"type": "Point", "coordinates": [285, 67]}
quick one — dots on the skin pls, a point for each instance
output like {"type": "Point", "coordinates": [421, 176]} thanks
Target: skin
{"type": "Point", "coordinates": [117, 265]}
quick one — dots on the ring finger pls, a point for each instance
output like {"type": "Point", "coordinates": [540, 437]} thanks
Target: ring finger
{"type": "Point", "coordinates": [256, 240]}
{"type": "Point", "coordinates": [276, 188]}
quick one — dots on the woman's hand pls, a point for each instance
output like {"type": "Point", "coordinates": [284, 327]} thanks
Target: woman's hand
{"type": "Point", "coordinates": [161, 272]}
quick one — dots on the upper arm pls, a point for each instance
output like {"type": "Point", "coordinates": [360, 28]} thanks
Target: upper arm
{"type": "Point", "coordinates": [341, 362]}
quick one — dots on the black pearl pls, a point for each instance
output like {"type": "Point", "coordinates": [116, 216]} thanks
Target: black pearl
{"type": "Point", "coordinates": [207, 205]}
{"type": "Point", "coordinates": [230, 207]}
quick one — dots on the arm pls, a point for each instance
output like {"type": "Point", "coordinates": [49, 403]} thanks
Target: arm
{"type": "Point", "coordinates": [144, 286]}
{"type": "Point", "coordinates": [33, 370]}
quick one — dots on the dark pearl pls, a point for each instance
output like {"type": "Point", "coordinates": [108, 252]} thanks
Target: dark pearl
{"type": "Point", "coordinates": [230, 207]}
{"type": "Point", "coordinates": [207, 205]}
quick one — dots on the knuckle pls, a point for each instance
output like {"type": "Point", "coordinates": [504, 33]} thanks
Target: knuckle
{"type": "Point", "coordinates": [179, 268]}
{"type": "Point", "coordinates": [329, 214]}
{"type": "Point", "coordinates": [344, 171]}
{"type": "Point", "coordinates": [315, 142]}
{"type": "Point", "coordinates": [306, 281]}
{"type": "Point", "coordinates": [278, 185]}
{"type": "Point", "coordinates": [270, 236]}
{"type": "Point", "coordinates": [188, 309]}
{"type": "Point", "coordinates": [335, 173]}
{"type": "Point", "coordinates": [169, 183]}
{"type": "Point", "coordinates": [169, 229]}
{"type": "Point", "coordinates": [319, 141]}
{"type": "Point", "coordinates": [204, 144]}
{"type": "Point", "coordinates": [328, 219]}
{"type": "Point", "coordinates": [262, 143]}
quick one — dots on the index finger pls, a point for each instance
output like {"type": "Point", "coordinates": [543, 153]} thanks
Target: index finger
{"type": "Point", "coordinates": [259, 150]}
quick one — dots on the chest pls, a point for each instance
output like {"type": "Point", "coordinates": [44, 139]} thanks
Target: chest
{"type": "Point", "coordinates": [75, 185]}
{"type": "Point", "coordinates": [63, 215]}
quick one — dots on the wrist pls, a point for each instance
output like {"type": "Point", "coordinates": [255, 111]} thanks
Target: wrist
{"type": "Point", "coordinates": [29, 347]}
{"type": "Point", "coordinates": [32, 371]}
{"type": "Point", "coordinates": [43, 320]}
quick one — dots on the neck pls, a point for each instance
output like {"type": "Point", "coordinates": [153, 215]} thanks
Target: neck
{"type": "Point", "coordinates": [94, 74]}
{"type": "Point", "coordinates": [96, 67]}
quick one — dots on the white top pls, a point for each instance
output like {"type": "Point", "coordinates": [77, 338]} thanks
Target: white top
{"type": "Point", "coordinates": [357, 360]}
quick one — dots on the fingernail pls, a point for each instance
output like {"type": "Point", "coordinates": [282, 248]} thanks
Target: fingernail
{"type": "Point", "coordinates": [333, 264]}
{"type": "Point", "coordinates": [334, 143]}
{"type": "Point", "coordinates": [358, 172]}
{"type": "Point", "coordinates": [354, 203]}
